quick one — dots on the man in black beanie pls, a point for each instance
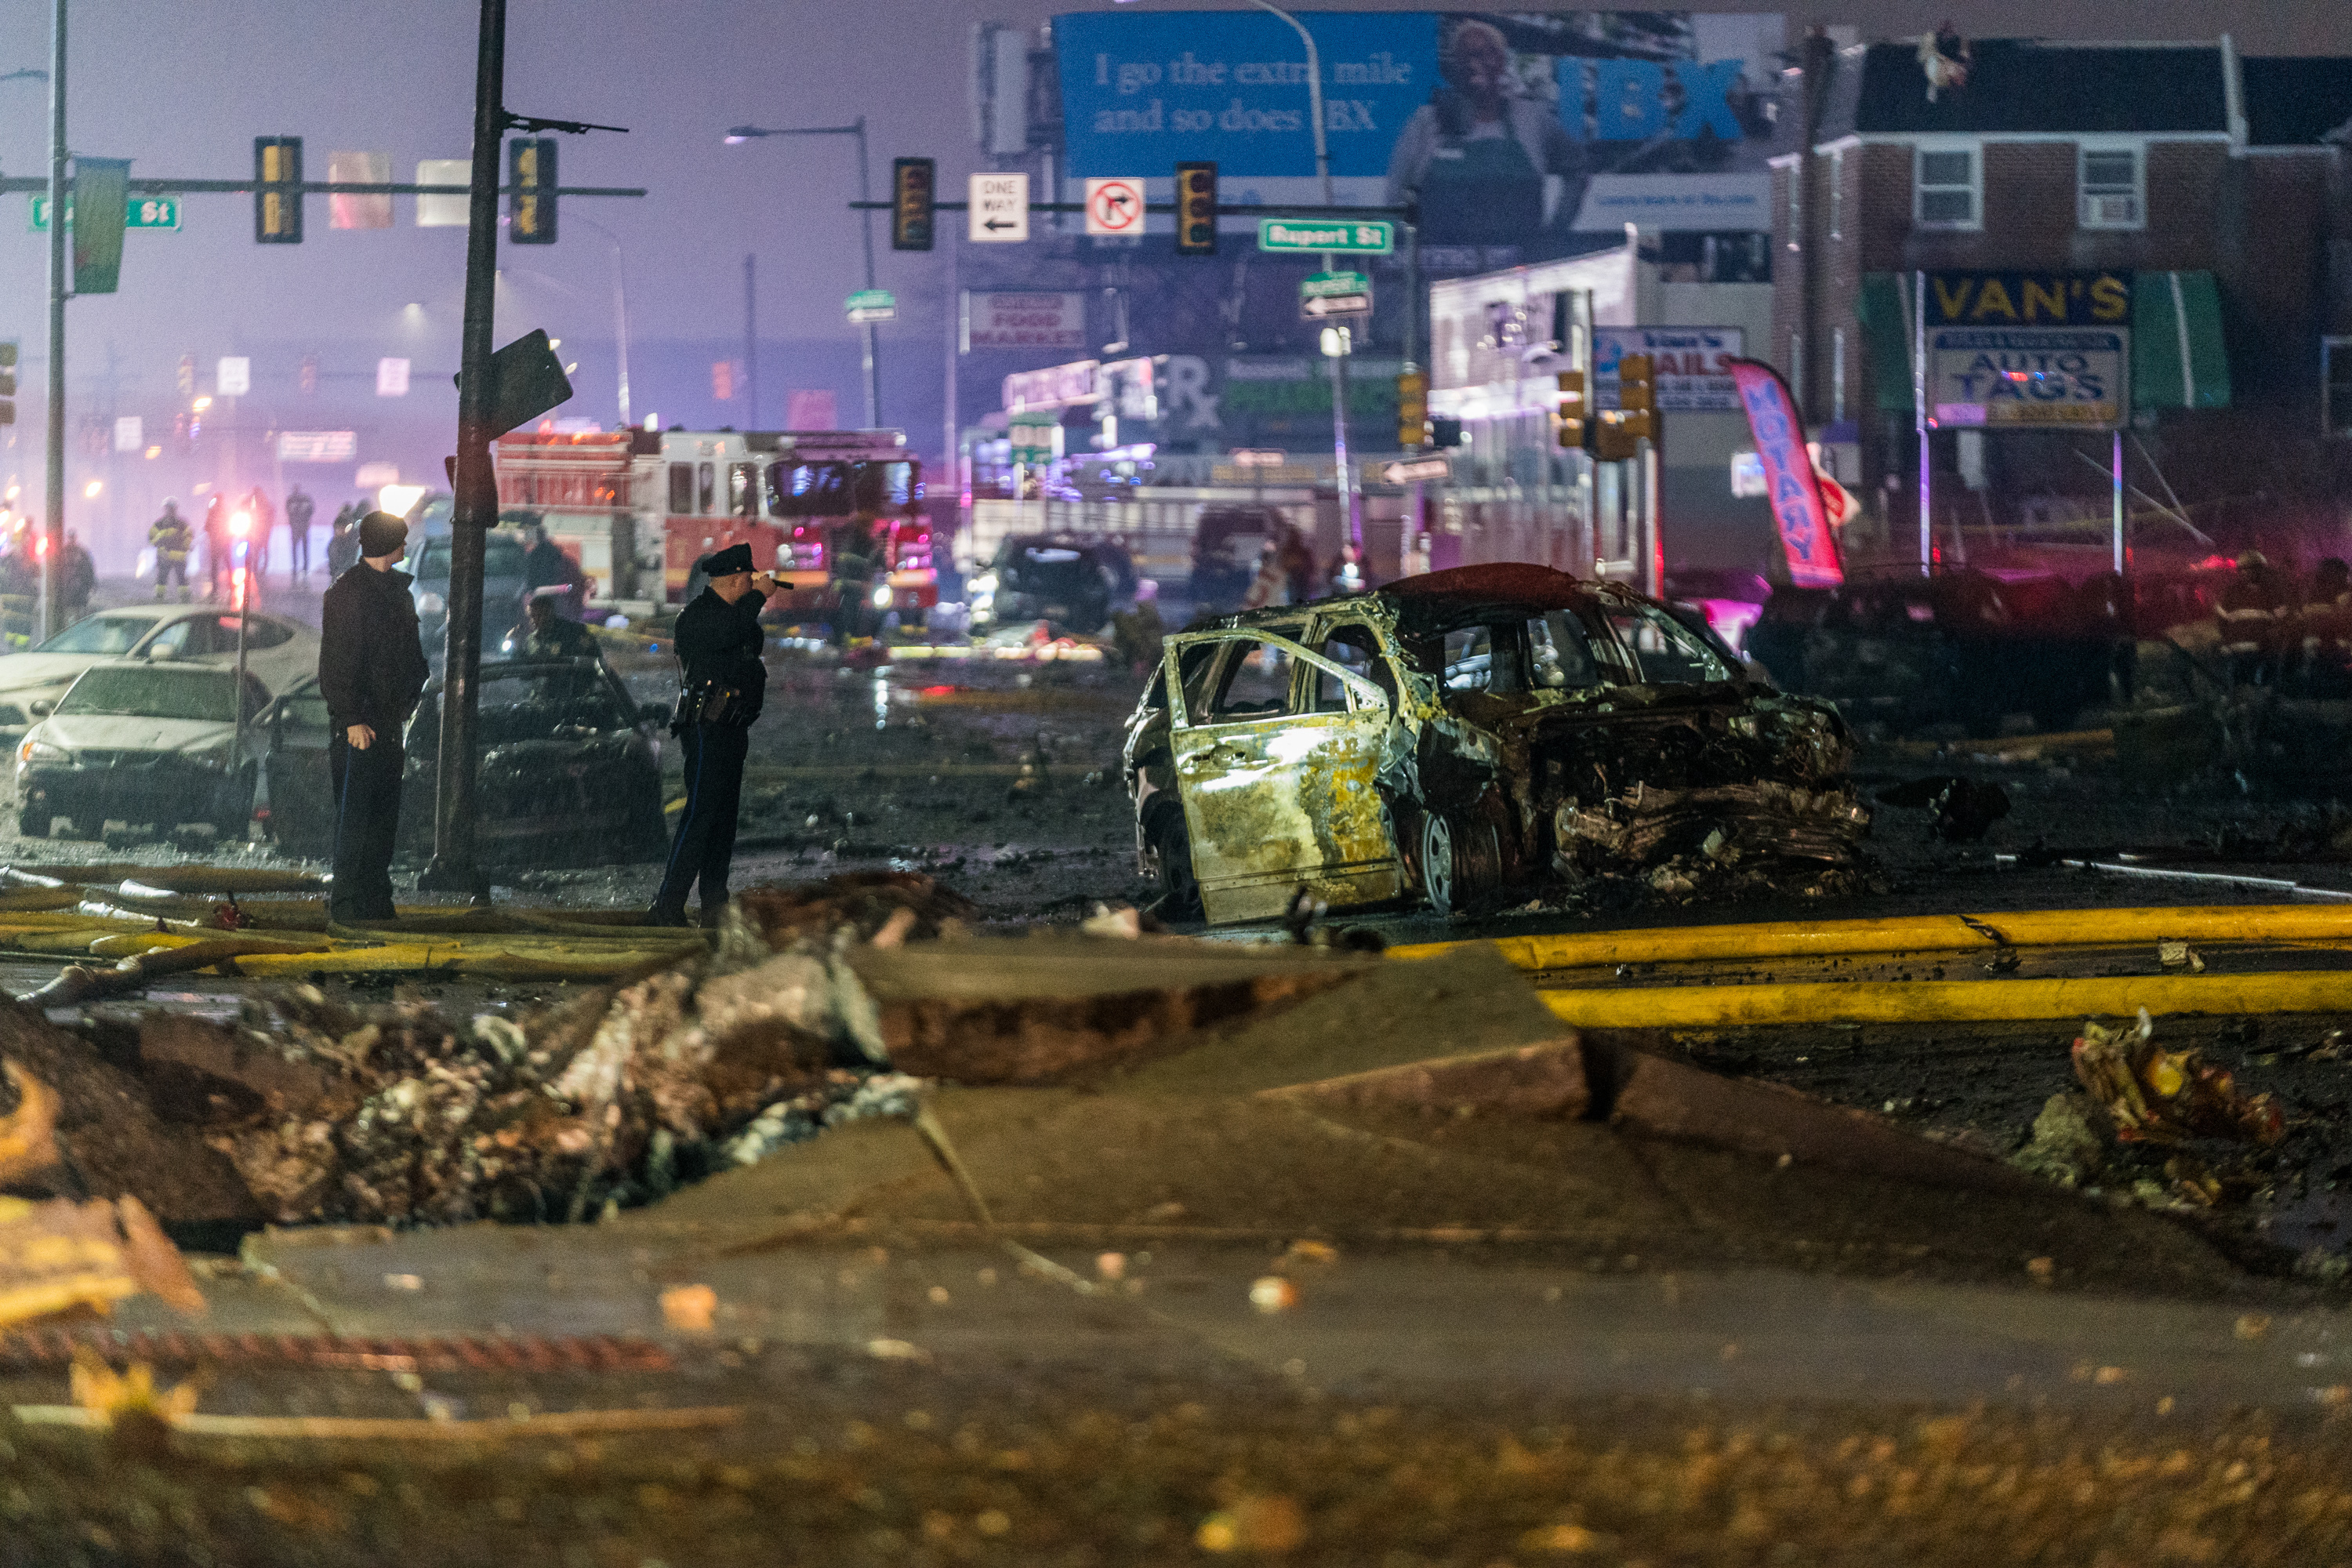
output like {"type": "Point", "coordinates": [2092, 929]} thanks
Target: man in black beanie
{"type": "Point", "coordinates": [370, 671]}
{"type": "Point", "coordinates": [722, 686]}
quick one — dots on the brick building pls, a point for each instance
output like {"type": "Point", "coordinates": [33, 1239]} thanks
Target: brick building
{"type": "Point", "coordinates": [2204, 174]}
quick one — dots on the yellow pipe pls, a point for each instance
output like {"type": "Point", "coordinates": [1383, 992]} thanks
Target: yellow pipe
{"type": "Point", "coordinates": [1947, 1001]}
{"type": "Point", "coordinates": [1919, 933]}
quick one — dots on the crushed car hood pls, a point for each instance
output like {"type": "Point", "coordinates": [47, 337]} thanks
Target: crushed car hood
{"type": "Point", "coordinates": [125, 732]}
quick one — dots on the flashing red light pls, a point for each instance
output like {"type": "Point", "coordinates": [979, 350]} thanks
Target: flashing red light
{"type": "Point", "coordinates": [240, 523]}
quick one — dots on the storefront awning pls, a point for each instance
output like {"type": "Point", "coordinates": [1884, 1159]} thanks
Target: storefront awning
{"type": "Point", "coordinates": [2178, 360]}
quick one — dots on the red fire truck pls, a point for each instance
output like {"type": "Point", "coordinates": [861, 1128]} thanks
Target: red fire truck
{"type": "Point", "coordinates": [636, 509]}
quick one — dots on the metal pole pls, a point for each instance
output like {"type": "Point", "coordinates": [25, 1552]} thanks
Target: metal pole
{"type": "Point", "coordinates": [751, 342]}
{"type": "Point", "coordinates": [865, 228]}
{"type": "Point", "coordinates": [1414, 497]}
{"type": "Point", "coordinates": [620, 310]}
{"type": "Point", "coordinates": [2119, 501]}
{"type": "Point", "coordinates": [52, 610]}
{"type": "Point", "coordinates": [477, 508]}
{"type": "Point", "coordinates": [1919, 418]}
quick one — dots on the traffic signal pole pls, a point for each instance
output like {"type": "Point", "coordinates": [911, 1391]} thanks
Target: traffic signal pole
{"type": "Point", "coordinates": [53, 529]}
{"type": "Point", "coordinates": [476, 508]}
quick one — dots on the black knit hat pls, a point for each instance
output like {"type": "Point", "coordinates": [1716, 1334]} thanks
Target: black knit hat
{"type": "Point", "coordinates": [381, 533]}
{"type": "Point", "coordinates": [725, 563]}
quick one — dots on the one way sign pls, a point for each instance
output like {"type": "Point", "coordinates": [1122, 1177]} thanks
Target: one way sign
{"type": "Point", "coordinates": [999, 209]}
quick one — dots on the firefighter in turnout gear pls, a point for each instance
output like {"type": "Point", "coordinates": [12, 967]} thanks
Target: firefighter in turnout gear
{"type": "Point", "coordinates": [174, 541]}
{"type": "Point", "coordinates": [722, 686]}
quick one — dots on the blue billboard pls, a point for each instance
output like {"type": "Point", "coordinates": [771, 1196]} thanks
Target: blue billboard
{"type": "Point", "coordinates": [1531, 132]}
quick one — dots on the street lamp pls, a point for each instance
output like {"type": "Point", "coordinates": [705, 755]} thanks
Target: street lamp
{"type": "Point", "coordinates": [742, 133]}
{"type": "Point", "coordinates": [620, 308]}
{"type": "Point", "coordinates": [1348, 497]}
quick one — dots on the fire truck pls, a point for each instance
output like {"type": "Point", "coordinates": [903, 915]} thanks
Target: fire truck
{"type": "Point", "coordinates": [636, 509]}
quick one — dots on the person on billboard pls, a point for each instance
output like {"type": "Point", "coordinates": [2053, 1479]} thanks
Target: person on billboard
{"type": "Point", "coordinates": [1478, 152]}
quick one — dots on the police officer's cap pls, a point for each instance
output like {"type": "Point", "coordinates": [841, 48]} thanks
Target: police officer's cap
{"type": "Point", "coordinates": [728, 562]}
{"type": "Point", "coordinates": [381, 533]}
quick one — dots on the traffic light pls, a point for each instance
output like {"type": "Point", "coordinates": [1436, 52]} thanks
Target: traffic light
{"type": "Point", "coordinates": [1413, 408]}
{"type": "Point", "coordinates": [1574, 418]}
{"type": "Point", "coordinates": [277, 193]}
{"type": "Point", "coordinates": [531, 179]}
{"type": "Point", "coordinates": [308, 377]}
{"type": "Point", "coordinates": [1196, 210]}
{"type": "Point", "coordinates": [914, 203]}
{"type": "Point", "coordinates": [8, 352]}
{"type": "Point", "coordinates": [1637, 396]}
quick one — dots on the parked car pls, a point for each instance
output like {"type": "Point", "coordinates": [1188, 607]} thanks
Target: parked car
{"type": "Point", "coordinates": [142, 743]}
{"type": "Point", "coordinates": [569, 769]}
{"type": "Point", "coordinates": [278, 652]}
{"type": "Point", "coordinates": [1464, 732]}
{"type": "Point", "coordinates": [1226, 547]}
{"type": "Point", "coordinates": [1070, 582]}
{"type": "Point", "coordinates": [502, 580]}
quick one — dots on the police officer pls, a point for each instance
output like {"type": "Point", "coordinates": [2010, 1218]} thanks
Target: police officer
{"type": "Point", "coordinates": [546, 632]}
{"type": "Point", "coordinates": [370, 671]}
{"type": "Point", "coordinates": [174, 541]}
{"type": "Point", "coordinates": [717, 643]}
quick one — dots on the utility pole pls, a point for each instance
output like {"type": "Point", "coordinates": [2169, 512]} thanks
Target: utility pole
{"type": "Point", "coordinates": [54, 521]}
{"type": "Point", "coordinates": [864, 207]}
{"type": "Point", "coordinates": [476, 511]}
{"type": "Point", "coordinates": [751, 342]}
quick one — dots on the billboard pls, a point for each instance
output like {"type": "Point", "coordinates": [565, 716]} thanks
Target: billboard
{"type": "Point", "coordinates": [1692, 365]}
{"type": "Point", "coordinates": [1531, 133]}
{"type": "Point", "coordinates": [2030, 349]}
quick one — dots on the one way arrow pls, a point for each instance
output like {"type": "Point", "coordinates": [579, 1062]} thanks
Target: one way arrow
{"type": "Point", "coordinates": [999, 223]}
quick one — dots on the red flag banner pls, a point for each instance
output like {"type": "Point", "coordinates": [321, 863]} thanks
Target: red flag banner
{"type": "Point", "coordinates": [1789, 478]}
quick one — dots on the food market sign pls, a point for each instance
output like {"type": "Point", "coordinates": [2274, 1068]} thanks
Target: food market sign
{"type": "Point", "coordinates": [2028, 349]}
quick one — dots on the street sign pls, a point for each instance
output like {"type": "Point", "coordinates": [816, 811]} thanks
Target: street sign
{"type": "Point", "coordinates": [1114, 208]}
{"type": "Point", "coordinates": [1375, 236]}
{"type": "Point", "coordinates": [233, 376]}
{"type": "Point", "coordinates": [1035, 440]}
{"type": "Point", "coordinates": [1322, 295]}
{"type": "Point", "coordinates": [998, 209]}
{"type": "Point", "coordinates": [2023, 378]}
{"type": "Point", "coordinates": [1418, 469]}
{"type": "Point", "coordinates": [873, 305]}
{"type": "Point", "coordinates": [139, 211]}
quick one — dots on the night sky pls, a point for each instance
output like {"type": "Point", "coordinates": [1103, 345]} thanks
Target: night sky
{"type": "Point", "coordinates": [181, 88]}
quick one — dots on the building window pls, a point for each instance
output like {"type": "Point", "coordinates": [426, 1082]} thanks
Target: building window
{"type": "Point", "coordinates": [1947, 186]}
{"type": "Point", "coordinates": [2112, 192]}
{"type": "Point", "coordinates": [1837, 195]}
{"type": "Point", "coordinates": [1837, 375]}
{"type": "Point", "coordinates": [1796, 203]}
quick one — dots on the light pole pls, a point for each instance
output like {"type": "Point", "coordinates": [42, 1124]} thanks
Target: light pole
{"type": "Point", "coordinates": [53, 523]}
{"type": "Point", "coordinates": [620, 308]}
{"type": "Point", "coordinates": [856, 127]}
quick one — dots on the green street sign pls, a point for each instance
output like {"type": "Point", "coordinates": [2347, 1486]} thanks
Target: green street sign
{"type": "Point", "coordinates": [1329, 285]}
{"type": "Point", "coordinates": [873, 305]}
{"type": "Point", "coordinates": [139, 211]}
{"type": "Point", "coordinates": [1375, 236]}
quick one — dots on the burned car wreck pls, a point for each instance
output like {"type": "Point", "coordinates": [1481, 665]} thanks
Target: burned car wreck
{"type": "Point", "coordinates": [1470, 734]}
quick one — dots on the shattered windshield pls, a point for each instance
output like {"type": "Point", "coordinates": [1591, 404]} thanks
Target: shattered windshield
{"type": "Point", "coordinates": [206, 694]}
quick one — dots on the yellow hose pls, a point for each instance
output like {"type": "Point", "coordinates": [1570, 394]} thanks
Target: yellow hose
{"type": "Point", "coordinates": [1946, 1001]}
{"type": "Point", "coordinates": [1916, 933]}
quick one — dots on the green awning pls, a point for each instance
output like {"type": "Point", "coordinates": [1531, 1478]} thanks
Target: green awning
{"type": "Point", "coordinates": [2178, 360]}
{"type": "Point", "coordinates": [1885, 311]}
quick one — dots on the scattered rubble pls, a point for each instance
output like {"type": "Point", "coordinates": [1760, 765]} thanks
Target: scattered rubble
{"type": "Point", "coordinates": [2156, 1095]}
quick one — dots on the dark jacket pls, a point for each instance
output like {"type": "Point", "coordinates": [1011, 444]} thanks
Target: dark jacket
{"type": "Point", "coordinates": [564, 638]}
{"type": "Point", "coordinates": [719, 644]}
{"type": "Point", "coordinates": [371, 660]}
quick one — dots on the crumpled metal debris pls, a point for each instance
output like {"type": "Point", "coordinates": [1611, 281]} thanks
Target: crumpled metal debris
{"type": "Point", "coordinates": [612, 1098]}
{"type": "Point", "coordinates": [1682, 839]}
{"type": "Point", "coordinates": [2156, 1096]}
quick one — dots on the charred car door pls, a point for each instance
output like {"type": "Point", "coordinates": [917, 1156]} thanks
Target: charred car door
{"type": "Point", "coordinates": [1278, 787]}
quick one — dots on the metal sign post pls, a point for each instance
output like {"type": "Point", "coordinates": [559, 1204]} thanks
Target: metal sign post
{"type": "Point", "coordinates": [1919, 417]}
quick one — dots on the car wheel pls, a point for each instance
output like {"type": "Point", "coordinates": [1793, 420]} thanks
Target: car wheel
{"type": "Point", "coordinates": [1461, 862]}
{"type": "Point", "coordinates": [1171, 842]}
{"type": "Point", "coordinates": [1437, 862]}
{"type": "Point", "coordinates": [33, 825]}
